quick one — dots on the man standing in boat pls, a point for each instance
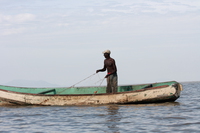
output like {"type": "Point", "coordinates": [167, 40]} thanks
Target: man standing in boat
{"type": "Point", "coordinates": [110, 66]}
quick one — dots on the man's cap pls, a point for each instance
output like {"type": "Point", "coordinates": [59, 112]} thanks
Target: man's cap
{"type": "Point", "coordinates": [106, 52]}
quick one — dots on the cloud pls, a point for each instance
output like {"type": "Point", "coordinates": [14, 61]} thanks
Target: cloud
{"type": "Point", "coordinates": [116, 10]}
{"type": "Point", "coordinates": [90, 9]}
{"type": "Point", "coordinates": [12, 31]}
{"type": "Point", "coordinates": [13, 24]}
{"type": "Point", "coordinates": [63, 24]}
{"type": "Point", "coordinates": [146, 6]}
{"type": "Point", "coordinates": [19, 18]}
{"type": "Point", "coordinates": [167, 7]}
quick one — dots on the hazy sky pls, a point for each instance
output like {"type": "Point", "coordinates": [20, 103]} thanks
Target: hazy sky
{"type": "Point", "coordinates": [61, 41]}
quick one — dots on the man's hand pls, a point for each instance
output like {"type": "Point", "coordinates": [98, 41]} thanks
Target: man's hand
{"type": "Point", "coordinates": [107, 75]}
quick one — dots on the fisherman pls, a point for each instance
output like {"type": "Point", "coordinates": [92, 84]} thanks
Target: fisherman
{"type": "Point", "coordinates": [110, 66]}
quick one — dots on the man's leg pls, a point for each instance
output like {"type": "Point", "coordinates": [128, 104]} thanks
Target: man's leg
{"type": "Point", "coordinates": [109, 87]}
{"type": "Point", "coordinates": [114, 83]}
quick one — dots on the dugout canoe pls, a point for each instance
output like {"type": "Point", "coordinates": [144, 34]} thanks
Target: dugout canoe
{"type": "Point", "coordinates": [142, 93]}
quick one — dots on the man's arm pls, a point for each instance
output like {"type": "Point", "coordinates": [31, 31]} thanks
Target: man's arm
{"type": "Point", "coordinates": [102, 70]}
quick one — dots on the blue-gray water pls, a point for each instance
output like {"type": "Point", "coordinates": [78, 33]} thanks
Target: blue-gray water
{"type": "Point", "coordinates": [182, 116]}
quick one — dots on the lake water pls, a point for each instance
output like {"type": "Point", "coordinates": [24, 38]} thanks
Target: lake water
{"type": "Point", "coordinates": [182, 116]}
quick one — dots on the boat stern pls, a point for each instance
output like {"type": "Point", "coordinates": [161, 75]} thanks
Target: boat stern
{"type": "Point", "coordinates": [165, 93]}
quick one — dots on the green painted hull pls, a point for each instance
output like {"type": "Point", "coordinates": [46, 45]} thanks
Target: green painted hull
{"type": "Point", "coordinates": [142, 93]}
{"type": "Point", "coordinates": [81, 90]}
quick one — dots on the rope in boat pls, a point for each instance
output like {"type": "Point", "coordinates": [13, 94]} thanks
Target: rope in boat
{"type": "Point", "coordinates": [95, 91]}
{"type": "Point", "coordinates": [79, 83]}
{"type": "Point", "coordinates": [101, 81]}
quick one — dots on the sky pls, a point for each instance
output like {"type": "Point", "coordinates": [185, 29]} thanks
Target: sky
{"type": "Point", "coordinates": [61, 42]}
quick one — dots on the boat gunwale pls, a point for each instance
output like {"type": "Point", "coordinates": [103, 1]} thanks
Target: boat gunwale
{"type": "Point", "coordinates": [135, 91]}
{"type": "Point", "coordinates": [83, 87]}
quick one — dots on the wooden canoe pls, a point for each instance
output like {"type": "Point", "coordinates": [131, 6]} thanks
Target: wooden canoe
{"type": "Point", "coordinates": [143, 93]}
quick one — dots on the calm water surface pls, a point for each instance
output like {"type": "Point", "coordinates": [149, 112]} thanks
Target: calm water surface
{"type": "Point", "coordinates": [181, 116]}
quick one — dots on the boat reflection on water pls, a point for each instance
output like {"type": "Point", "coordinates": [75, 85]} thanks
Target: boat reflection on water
{"type": "Point", "coordinates": [153, 104]}
{"type": "Point", "coordinates": [113, 118]}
